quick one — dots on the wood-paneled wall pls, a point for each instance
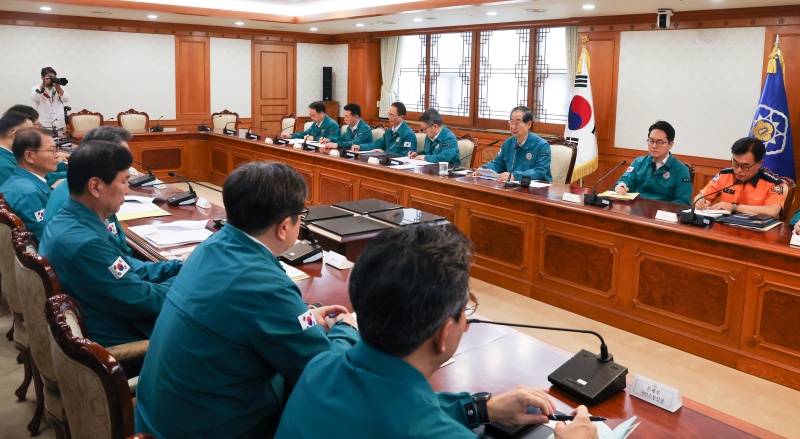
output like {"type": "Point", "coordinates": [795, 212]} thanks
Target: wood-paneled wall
{"type": "Point", "coordinates": [364, 76]}
{"type": "Point", "coordinates": [192, 77]}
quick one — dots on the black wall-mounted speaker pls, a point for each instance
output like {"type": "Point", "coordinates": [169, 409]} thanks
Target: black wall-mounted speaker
{"type": "Point", "coordinates": [327, 84]}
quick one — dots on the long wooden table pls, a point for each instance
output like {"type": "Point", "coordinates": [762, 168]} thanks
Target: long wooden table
{"type": "Point", "coordinates": [726, 294]}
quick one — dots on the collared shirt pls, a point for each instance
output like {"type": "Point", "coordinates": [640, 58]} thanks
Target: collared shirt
{"type": "Point", "coordinates": [761, 190]}
{"type": "Point", "coordinates": [27, 194]}
{"type": "Point", "coordinates": [444, 150]}
{"type": "Point", "coordinates": [359, 135]}
{"type": "Point", "coordinates": [328, 128]}
{"type": "Point", "coordinates": [532, 158]}
{"type": "Point", "coordinates": [398, 142]}
{"type": "Point", "coordinates": [671, 182]}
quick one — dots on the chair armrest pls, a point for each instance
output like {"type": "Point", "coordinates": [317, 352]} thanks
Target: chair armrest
{"type": "Point", "coordinates": [129, 351]}
{"type": "Point", "coordinates": [132, 383]}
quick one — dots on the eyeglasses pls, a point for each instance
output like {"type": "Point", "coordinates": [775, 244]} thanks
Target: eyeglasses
{"type": "Point", "coordinates": [303, 213]}
{"type": "Point", "coordinates": [515, 123]}
{"type": "Point", "coordinates": [738, 165]}
{"type": "Point", "coordinates": [472, 305]}
{"type": "Point", "coordinates": [51, 151]}
{"type": "Point", "coordinates": [423, 129]}
{"type": "Point", "coordinates": [391, 115]}
{"type": "Point", "coordinates": [658, 142]}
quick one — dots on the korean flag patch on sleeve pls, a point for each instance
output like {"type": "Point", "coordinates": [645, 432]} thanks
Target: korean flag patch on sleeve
{"type": "Point", "coordinates": [119, 268]}
{"type": "Point", "coordinates": [306, 320]}
{"type": "Point", "coordinates": [406, 144]}
{"type": "Point", "coordinates": [39, 216]}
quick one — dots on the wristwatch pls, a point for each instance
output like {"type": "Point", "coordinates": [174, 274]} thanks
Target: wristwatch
{"type": "Point", "coordinates": [480, 400]}
{"type": "Point", "coordinates": [733, 207]}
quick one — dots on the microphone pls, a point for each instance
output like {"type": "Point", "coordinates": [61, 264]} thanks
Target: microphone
{"type": "Point", "coordinates": [203, 127]}
{"type": "Point", "coordinates": [227, 131]}
{"type": "Point", "coordinates": [278, 139]}
{"type": "Point", "coordinates": [702, 220]}
{"type": "Point", "coordinates": [187, 197]}
{"type": "Point", "coordinates": [590, 378]}
{"type": "Point", "coordinates": [304, 251]}
{"type": "Point", "coordinates": [55, 130]}
{"type": "Point", "coordinates": [142, 179]}
{"type": "Point", "coordinates": [193, 181]}
{"type": "Point", "coordinates": [250, 136]}
{"type": "Point", "coordinates": [458, 168]}
{"type": "Point", "coordinates": [158, 128]}
{"type": "Point", "coordinates": [592, 199]}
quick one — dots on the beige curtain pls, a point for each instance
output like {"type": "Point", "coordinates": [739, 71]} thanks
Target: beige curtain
{"type": "Point", "coordinates": [572, 53]}
{"type": "Point", "coordinates": [391, 54]}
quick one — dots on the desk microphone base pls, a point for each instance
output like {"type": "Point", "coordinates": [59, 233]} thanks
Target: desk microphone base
{"type": "Point", "coordinates": [588, 379]}
{"type": "Point", "coordinates": [595, 200]}
{"type": "Point", "coordinates": [302, 253]}
{"type": "Point", "coordinates": [181, 198]}
{"type": "Point", "coordinates": [142, 179]}
{"type": "Point", "coordinates": [694, 218]}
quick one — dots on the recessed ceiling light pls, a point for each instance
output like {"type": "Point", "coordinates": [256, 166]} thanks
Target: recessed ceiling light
{"type": "Point", "coordinates": [491, 13]}
{"type": "Point", "coordinates": [239, 23]}
{"type": "Point", "coordinates": [152, 16]}
{"type": "Point", "coordinates": [418, 19]}
{"type": "Point", "coordinates": [46, 8]}
{"type": "Point", "coordinates": [588, 7]}
{"type": "Point", "coordinates": [102, 13]}
{"type": "Point", "coordinates": [387, 22]}
{"type": "Point", "coordinates": [430, 18]}
{"type": "Point", "coordinates": [359, 24]}
{"type": "Point", "coordinates": [536, 10]}
{"type": "Point", "coordinates": [313, 29]}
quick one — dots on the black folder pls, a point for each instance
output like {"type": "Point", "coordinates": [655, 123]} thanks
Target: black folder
{"type": "Point", "coordinates": [323, 212]}
{"type": "Point", "coordinates": [404, 217]}
{"type": "Point", "coordinates": [367, 206]}
{"type": "Point", "coordinates": [351, 225]}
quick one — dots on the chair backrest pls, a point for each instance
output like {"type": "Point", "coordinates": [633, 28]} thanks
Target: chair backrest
{"type": "Point", "coordinates": [378, 131]}
{"type": "Point", "coordinates": [94, 388]}
{"type": "Point", "coordinates": [8, 277]}
{"type": "Point", "coordinates": [344, 128]}
{"type": "Point", "coordinates": [134, 121]}
{"type": "Point", "coordinates": [220, 120]}
{"type": "Point", "coordinates": [692, 172]}
{"type": "Point", "coordinates": [36, 282]}
{"type": "Point", "coordinates": [287, 123]}
{"type": "Point", "coordinates": [466, 145]}
{"type": "Point", "coordinates": [790, 191]}
{"type": "Point", "coordinates": [562, 160]}
{"type": "Point", "coordinates": [307, 124]}
{"type": "Point", "coordinates": [84, 120]}
{"type": "Point", "coordinates": [485, 155]}
{"type": "Point", "coordinates": [420, 140]}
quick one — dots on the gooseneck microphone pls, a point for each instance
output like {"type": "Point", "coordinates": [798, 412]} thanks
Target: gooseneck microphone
{"type": "Point", "coordinates": [590, 378]}
{"type": "Point", "coordinates": [473, 152]}
{"type": "Point", "coordinates": [278, 139]}
{"type": "Point", "coordinates": [227, 131]}
{"type": "Point", "coordinates": [182, 198]}
{"type": "Point", "coordinates": [702, 220]}
{"type": "Point", "coordinates": [142, 179]}
{"type": "Point", "coordinates": [158, 128]}
{"type": "Point", "coordinates": [204, 127]}
{"type": "Point", "coordinates": [250, 136]}
{"type": "Point", "coordinates": [303, 252]}
{"type": "Point", "coordinates": [592, 199]}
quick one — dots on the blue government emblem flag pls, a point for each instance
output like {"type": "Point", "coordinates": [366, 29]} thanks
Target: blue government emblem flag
{"type": "Point", "coordinates": [771, 121]}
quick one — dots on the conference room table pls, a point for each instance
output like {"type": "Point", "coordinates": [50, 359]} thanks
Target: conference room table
{"type": "Point", "coordinates": [489, 358]}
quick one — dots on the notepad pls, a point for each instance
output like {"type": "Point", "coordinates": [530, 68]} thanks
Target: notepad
{"type": "Point", "coordinates": [618, 196]}
{"type": "Point", "coordinates": [134, 209]}
{"type": "Point", "coordinates": [294, 273]}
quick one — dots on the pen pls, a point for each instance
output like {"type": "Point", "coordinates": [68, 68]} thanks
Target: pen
{"type": "Point", "coordinates": [571, 418]}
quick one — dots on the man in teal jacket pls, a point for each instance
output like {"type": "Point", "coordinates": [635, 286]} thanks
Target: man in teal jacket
{"type": "Point", "coordinates": [26, 191]}
{"type": "Point", "coordinates": [524, 153]}
{"type": "Point", "coordinates": [322, 126]}
{"type": "Point", "coordinates": [398, 140]}
{"type": "Point", "coordinates": [410, 325]}
{"type": "Point", "coordinates": [357, 130]}
{"type": "Point", "coordinates": [658, 175]}
{"type": "Point", "coordinates": [441, 144]}
{"type": "Point", "coordinates": [120, 299]}
{"type": "Point", "coordinates": [10, 124]}
{"type": "Point", "coordinates": [235, 334]}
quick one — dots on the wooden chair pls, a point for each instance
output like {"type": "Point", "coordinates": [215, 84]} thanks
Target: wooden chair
{"type": "Point", "coordinates": [95, 391]}
{"type": "Point", "coordinates": [692, 173]}
{"type": "Point", "coordinates": [307, 124]}
{"type": "Point", "coordinates": [222, 119]}
{"type": "Point", "coordinates": [420, 140]}
{"type": "Point", "coordinates": [484, 156]}
{"type": "Point", "coordinates": [134, 121]}
{"type": "Point", "coordinates": [563, 154]}
{"type": "Point", "coordinates": [790, 191]}
{"type": "Point", "coordinates": [466, 146]}
{"type": "Point", "coordinates": [287, 123]}
{"type": "Point", "coordinates": [378, 131]}
{"type": "Point", "coordinates": [83, 121]}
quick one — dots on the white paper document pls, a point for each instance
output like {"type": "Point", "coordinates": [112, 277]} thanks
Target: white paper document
{"type": "Point", "coordinates": [294, 141]}
{"type": "Point", "coordinates": [136, 198]}
{"type": "Point", "coordinates": [174, 233]}
{"type": "Point", "coordinates": [404, 166]}
{"type": "Point", "coordinates": [135, 207]}
{"type": "Point", "coordinates": [709, 212]}
{"type": "Point", "coordinates": [487, 173]}
{"type": "Point", "coordinates": [153, 183]}
{"type": "Point", "coordinates": [293, 273]}
{"type": "Point", "coordinates": [411, 161]}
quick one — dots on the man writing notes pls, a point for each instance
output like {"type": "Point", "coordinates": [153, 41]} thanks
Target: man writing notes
{"type": "Point", "coordinates": [398, 140]}
{"type": "Point", "coordinates": [745, 187]}
{"type": "Point", "coordinates": [322, 126]}
{"type": "Point", "coordinates": [523, 154]}
{"type": "Point", "coordinates": [658, 175]}
{"type": "Point", "coordinates": [49, 98]}
{"type": "Point", "coordinates": [234, 334]}
{"type": "Point", "coordinates": [410, 325]}
{"type": "Point", "coordinates": [441, 144]}
{"type": "Point", "coordinates": [357, 130]}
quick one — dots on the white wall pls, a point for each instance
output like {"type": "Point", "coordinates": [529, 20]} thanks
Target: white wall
{"type": "Point", "coordinates": [109, 72]}
{"type": "Point", "coordinates": [311, 58]}
{"type": "Point", "coordinates": [705, 82]}
{"type": "Point", "coordinates": [230, 75]}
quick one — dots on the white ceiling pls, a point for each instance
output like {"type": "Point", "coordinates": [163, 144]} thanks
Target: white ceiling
{"type": "Point", "coordinates": [296, 10]}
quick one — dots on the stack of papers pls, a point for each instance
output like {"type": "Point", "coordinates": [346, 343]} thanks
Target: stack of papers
{"type": "Point", "coordinates": [487, 173]}
{"type": "Point", "coordinates": [618, 196]}
{"type": "Point", "coordinates": [294, 141]}
{"type": "Point", "coordinates": [139, 207]}
{"type": "Point", "coordinates": [605, 432]}
{"type": "Point", "coordinates": [293, 273]}
{"type": "Point", "coordinates": [174, 233]}
{"type": "Point", "coordinates": [715, 213]}
{"type": "Point", "coordinates": [410, 161]}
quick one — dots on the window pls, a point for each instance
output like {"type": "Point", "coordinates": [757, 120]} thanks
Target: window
{"type": "Point", "coordinates": [504, 72]}
{"type": "Point", "coordinates": [451, 70]}
{"type": "Point", "coordinates": [413, 68]}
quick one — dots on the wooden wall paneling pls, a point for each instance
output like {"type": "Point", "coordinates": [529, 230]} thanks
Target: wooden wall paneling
{"type": "Point", "coordinates": [220, 163]}
{"type": "Point", "coordinates": [368, 188]}
{"type": "Point", "coordinates": [333, 187]}
{"type": "Point", "coordinates": [192, 77]}
{"type": "Point", "coordinates": [364, 77]}
{"type": "Point", "coordinates": [603, 50]}
{"type": "Point", "coordinates": [239, 158]}
{"type": "Point", "coordinates": [436, 204]}
{"type": "Point", "coordinates": [307, 172]}
{"type": "Point", "coordinates": [274, 84]}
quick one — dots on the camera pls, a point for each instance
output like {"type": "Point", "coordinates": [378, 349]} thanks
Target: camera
{"type": "Point", "coordinates": [663, 18]}
{"type": "Point", "coordinates": [60, 81]}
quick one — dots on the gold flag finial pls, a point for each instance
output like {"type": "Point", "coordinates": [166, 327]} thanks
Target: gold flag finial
{"type": "Point", "coordinates": [776, 55]}
{"type": "Point", "coordinates": [585, 39]}
{"type": "Point", "coordinates": [584, 53]}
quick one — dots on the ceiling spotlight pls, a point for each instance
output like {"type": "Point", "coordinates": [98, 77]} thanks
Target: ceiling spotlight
{"type": "Point", "coordinates": [359, 24]}
{"type": "Point", "coordinates": [46, 8]}
{"type": "Point", "coordinates": [239, 23]}
{"type": "Point", "coordinates": [313, 29]}
{"type": "Point", "coordinates": [536, 10]}
{"type": "Point", "coordinates": [387, 22]}
{"type": "Point", "coordinates": [418, 19]}
{"type": "Point", "coordinates": [588, 7]}
{"type": "Point", "coordinates": [491, 13]}
{"type": "Point", "coordinates": [152, 16]}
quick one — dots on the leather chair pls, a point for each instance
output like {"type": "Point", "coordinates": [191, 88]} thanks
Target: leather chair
{"type": "Point", "coordinates": [307, 124]}
{"type": "Point", "coordinates": [83, 121]}
{"type": "Point", "coordinates": [562, 160]}
{"type": "Point", "coordinates": [420, 141]}
{"type": "Point", "coordinates": [466, 145]}
{"type": "Point", "coordinates": [790, 191]}
{"type": "Point", "coordinates": [134, 121]}
{"type": "Point", "coordinates": [222, 119]}
{"type": "Point", "coordinates": [287, 124]}
{"type": "Point", "coordinates": [378, 131]}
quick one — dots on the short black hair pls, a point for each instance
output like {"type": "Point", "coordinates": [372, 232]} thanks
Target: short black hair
{"type": "Point", "coordinates": [749, 144]}
{"type": "Point", "coordinates": [318, 106]}
{"type": "Point", "coordinates": [29, 139]}
{"type": "Point", "coordinates": [258, 195]}
{"type": "Point", "coordinates": [354, 109]}
{"type": "Point", "coordinates": [663, 126]}
{"type": "Point", "coordinates": [527, 114]}
{"type": "Point", "coordinates": [431, 116]}
{"type": "Point", "coordinates": [96, 158]}
{"type": "Point", "coordinates": [46, 70]}
{"type": "Point", "coordinates": [407, 283]}
{"type": "Point", "coordinates": [25, 110]}
{"type": "Point", "coordinates": [401, 108]}
{"type": "Point", "coordinates": [108, 133]}
{"type": "Point", "coordinates": [11, 120]}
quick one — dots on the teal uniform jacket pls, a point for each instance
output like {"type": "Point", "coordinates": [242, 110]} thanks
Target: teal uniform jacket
{"type": "Point", "coordinates": [531, 159]}
{"type": "Point", "coordinates": [27, 195]}
{"type": "Point", "coordinates": [362, 134]}
{"type": "Point", "coordinates": [328, 129]}
{"type": "Point", "coordinates": [443, 149]}
{"type": "Point", "coordinates": [670, 182]}
{"type": "Point", "coordinates": [58, 174]}
{"type": "Point", "coordinates": [228, 347]}
{"type": "Point", "coordinates": [370, 394]}
{"type": "Point", "coordinates": [7, 164]}
{"type": "Point", "coordinates": [795, 218]}
{"type": "Point", "coordinates": [398, 142]}
{"type": "Point", "coordinates": [120, 297]}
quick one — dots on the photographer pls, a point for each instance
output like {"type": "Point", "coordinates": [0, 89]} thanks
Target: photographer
{"type": "Point", "coordinates": [50, 98]}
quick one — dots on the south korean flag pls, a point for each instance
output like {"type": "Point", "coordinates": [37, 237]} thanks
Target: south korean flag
{"type": "Point", "coordinates": [119, 268]}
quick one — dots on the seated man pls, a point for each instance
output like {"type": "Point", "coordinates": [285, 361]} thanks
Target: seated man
{"type": "Point", "coordinates": [744, 187]}
{"type": "Point", "coordinates": [441, 144]}
{"type": "Point", "coordinates": [398, 140]}
{"type": "Point", "coordinates": [234, 334]}
{"type": "Point", "coordinates": [357, 130]}
{"type": "Point", "coordinates": [323, 126]}
{"type": "Point", "coordinates": [26, 191]}
{"type": "Point", "coordinates": [524, 153]}
{"type": "Point", "coordinates": [10, 124]}
{"type": "Point", "coordinates": [410, 325]}
{"type": "Point", "coordinates": [120, 300]}
{"type": "Point", "coordinates": [30, 113]}
{"type": "Point", "coordinates": [658, 175]}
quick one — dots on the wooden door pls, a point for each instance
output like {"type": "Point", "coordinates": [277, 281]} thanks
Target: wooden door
{"type": "Point", "coordinates": [274, 69]}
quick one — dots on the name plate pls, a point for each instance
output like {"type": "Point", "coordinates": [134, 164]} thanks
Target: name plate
{"type": "Point", "coordinates": [656, 393]}
{"type": "Point", "coordinates": [160, 186]}
{"type": "Point", "coordinates": [202, 202]}
{"type": "Point", "coordinates": [268, 140]}
{"type": "Point", "coordinates": [336, 260]}
{"type": "Point", "coordinates": [334, 153]}
{"type": "Point", "coordinates": [374, 161]}
{"type": "Point", "coordinates": [670, 217]}
{"type": "Point", "coordinates": [795, 241]}
{"type": "Point", "coordinates": [571, 198]}
{"type": "Point", "coordinates": [297, 146]}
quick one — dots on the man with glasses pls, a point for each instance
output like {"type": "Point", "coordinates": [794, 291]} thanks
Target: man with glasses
{"type": "Point", "coordinates": [745, 187]}
{"type": "Point", "coordinates": [399, 140]}
{"type": "Point", "coordinates": [523, 154]}
{"type": "Point", "coordinates": [30, 113]}
{"type": "Point", "coordinates": [441, 144]}
{"type": "Point", "coordinates": [658, 175]}
{"type": "Point", "coordinates": [357, 130]}
{"type": "Point", "coordinates": [322, 126]}
{"type": "Point", "coordinates": [410, 326]}
{"type": "Point", "coordinates": [26, 191]}
{"type": "Point", "coordinates": [10, 124]}
{"type": "Point", "coordinates": [234, 334]}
